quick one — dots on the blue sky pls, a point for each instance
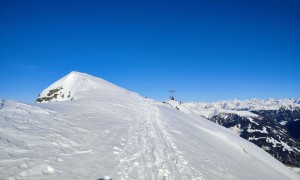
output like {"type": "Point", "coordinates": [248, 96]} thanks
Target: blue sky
{"type": "Point", "coordinates": [207, 50]}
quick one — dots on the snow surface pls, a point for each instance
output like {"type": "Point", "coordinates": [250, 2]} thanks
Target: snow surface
{"type": "Point", "coordinates": [109, 132]}
{"type": "Point", "coordinates": [297, 170]}
{"type": "Point", "coordinates": [264, 130]}
{"type": "Point", "coordinates": [280, 144]}
{"type": "Point", "coordinates": [236, 129]}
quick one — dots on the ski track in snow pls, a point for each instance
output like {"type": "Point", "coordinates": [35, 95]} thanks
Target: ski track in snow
{"type": "Point", "coordinates": [150, 150]}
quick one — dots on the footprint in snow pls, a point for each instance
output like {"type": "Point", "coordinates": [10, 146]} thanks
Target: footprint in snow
{"type": "Point", "coordinates": [118, 149]}
{"type": "Point", "coordinates": [23, 166]}
{"type": "Point", "coordinates": [59, 160]}
{"type": "Point", "coordinates": [48, 170]}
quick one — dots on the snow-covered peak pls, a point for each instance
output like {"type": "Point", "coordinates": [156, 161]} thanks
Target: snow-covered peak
{"type": "Point", "coordinates": [72, 85]}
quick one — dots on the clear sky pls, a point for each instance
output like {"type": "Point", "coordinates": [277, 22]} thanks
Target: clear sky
{"type": "Point", "coordinates": [206, 50]}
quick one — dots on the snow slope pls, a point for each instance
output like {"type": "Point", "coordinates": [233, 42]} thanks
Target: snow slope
{"type": "Point", "coordinates": [109, 131]}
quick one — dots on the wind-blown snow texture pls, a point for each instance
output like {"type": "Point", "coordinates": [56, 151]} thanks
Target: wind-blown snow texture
{"type": "Point", "coordinates": [109, 131]}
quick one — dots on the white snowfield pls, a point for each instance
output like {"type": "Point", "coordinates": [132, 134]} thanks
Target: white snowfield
{"type": "Point", "coordinates": [107, 131]}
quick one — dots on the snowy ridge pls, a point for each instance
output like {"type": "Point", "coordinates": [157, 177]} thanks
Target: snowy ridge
{"type": "Point", "coordinates": [208, 111]}
{"type": "Point", "coordinates": [249, 105]}
{"type": "Point", "coordinates": [111, 132]}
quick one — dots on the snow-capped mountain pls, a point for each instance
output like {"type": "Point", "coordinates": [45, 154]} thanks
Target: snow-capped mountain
{"type": "Point", "coordinates": [73, 84]}
{"type": "Point", "coordinates": [272, 124]}
{"type": "Point", "coordinates": [109, 132]}
{"type": "Point", "coordinates": [250, 105]}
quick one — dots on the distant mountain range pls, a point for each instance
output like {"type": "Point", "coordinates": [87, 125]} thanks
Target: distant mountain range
{"type": "Point", "coordinates": [272, 124]}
